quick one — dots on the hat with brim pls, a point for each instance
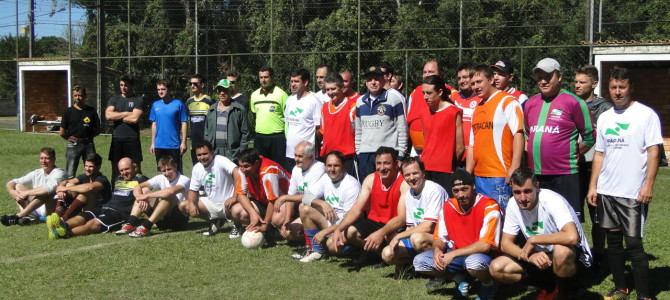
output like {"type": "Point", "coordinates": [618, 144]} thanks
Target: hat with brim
{"type": "Point", "coordinates": [223, 84]}
{"type": "Point", "coordinates": [547, 65]}
{"type": "Point", "coordinates": [462, 177]}
{"type": "Point", "coordinates": [503, 66]}
{"type": "Point", "coordinates": [373, 71]}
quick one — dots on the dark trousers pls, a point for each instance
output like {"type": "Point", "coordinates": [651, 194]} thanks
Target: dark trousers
{"type": "Point", "coordinates": [568, 187]}
{"type": "Point", "coordinates": [74, 152]}
{"type": "Point", "coordinates": [366, 165]}
{"type": "Point", "coordinates": [124, 147]}
{"type": "Point", "coordinates": [272, 146]}
{"type": "Point", "coordinates": [174, 153]}
{"type": "Point", "coordinates": [441, 178]}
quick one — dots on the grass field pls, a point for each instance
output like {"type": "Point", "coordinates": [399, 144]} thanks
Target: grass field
{"type": "Point", "coordinates": [186, 265]}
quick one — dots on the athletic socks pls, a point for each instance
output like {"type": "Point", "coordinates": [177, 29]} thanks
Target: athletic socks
{"type": "Point", "coordinates": [308, 239]}
{"type": "Point", "coordinates": [147, 224]}
{"type": "Point", "coordinates": [640, 264]}
{"type": "Point", "coordinates": [135, 221]}
{"type": "Point", "coordinates": [616, 259]}
{"type": "Point", "coordinates": [309, 234]}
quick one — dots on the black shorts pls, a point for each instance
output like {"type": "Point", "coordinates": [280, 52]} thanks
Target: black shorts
{"type": "Point", "coordinates": [366, 227]}
{"type": "Point", "coordinates": [109, 219]}
{"type": "Point", "coordinates": [174, 220]}
{"type": "Point", "coordinates": [568, 187]}
{"type": "Point", "coordinates": [125, 147]}
{"type": "Point", "coordinates": [624, 213]}
{"type": "Point", "coordinates": [262, 208]}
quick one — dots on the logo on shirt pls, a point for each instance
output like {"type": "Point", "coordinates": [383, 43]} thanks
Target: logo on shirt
{"type": "Point", "coordinates": [272, 108]}
{"type": "Point", "coordinates": [615, 131]}
{"type": "Point", "coordinates": [544, 129]}
{"type": "Point", "coordinates": [473, 104]}
{"type": "Point", "coordinates": [535, 228]}
{"type": "Point", "coordinates": [302, 187]}
{"type": "Point", "coordinates": [381, 110]}
{"type": "Point", "coordinates": [131, 104]}
{"type": "Point", "coordinates": [296, 112]}
{"type": "Point", "coordinates": [208, 183]}
{"type": "Point", "coordinates": [87, 120]}
{"type": "Point", "coordinates": [555, 114]}
{"type": "Point", "coordinates": [372, 124]}
{"type": "Point", "coordinates": [332, 200]}
{"type": "Point", "coordinates": [418, 213]}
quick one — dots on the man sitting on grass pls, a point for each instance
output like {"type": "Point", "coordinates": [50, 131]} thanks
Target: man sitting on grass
{"type": "Point", "coordinates": [378, 212]}
{"type": "Point", "coordinates": [261, 183]}
{"type": "Point", "coordinates": [325, 204]}
{"type": "Point", "coordinates": [423, 203]}
{"type": "Point", "coordinates": [158, 199]}
{"type": "Point", "coordinates": [34, 191]}
{"type": "Point", "coordinates": [467, 234]}
{"type": "Point", "coordinates": [555, 243]}
{"type": "Point", "coordinates": [86, 191]}
{"type": "Point", "coordinates": [107, 217]}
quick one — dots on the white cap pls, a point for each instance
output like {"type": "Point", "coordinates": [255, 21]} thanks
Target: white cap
{"type": "Point", "coordinates": [547, 65]}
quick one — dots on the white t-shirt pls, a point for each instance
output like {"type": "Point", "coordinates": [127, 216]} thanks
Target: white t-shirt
{"type": "Point", "coordinates": [301, 116]}
{"type": "Point", "coordinates": [340, 196]}
{"type": "Point", "coordinates": [551, 213]}
{"type": "Point", "coordinates": [216, 180]}
{"type": "Point", "coordinates": [624, 136]}
{"type": "Point", "coordinates": [301, 180]}
{"type": "Point", "coordinates": [37, 178]}
{"type": "Point", "coordinates": [424, 206]}
{"type": "Point", "coordinates": [323, 97]}
{"type": "Point", "coordinates": [160, 182]}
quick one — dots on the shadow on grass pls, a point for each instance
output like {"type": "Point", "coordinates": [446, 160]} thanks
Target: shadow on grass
{"type": "Point", "coordinates": [659, 281]}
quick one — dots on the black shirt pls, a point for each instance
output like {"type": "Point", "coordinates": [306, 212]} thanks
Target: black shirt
{"type": "Point", "coordinates": [106, 192]}
{"type": "Point", "coordinates": [123, 197]}
{"type": "Point", "coordinates": [82, 123]}
{"type": "Point", "coordinates": [121, 104]}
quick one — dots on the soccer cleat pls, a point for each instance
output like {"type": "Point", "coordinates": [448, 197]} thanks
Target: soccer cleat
{"type": "Point", "coordinates": [301, 254]}
{"type": "Point", "coordinates": [9, 220]}
{"type": "Point", "coordinates": [141, 231]}
{"type": "Point", "coordinates": [435, 284]}
{"type": "Point", "coordinates": [27, 220]}
{"type": "Point", "coordinates": [463, 288]}
{"type": "Point", "coordinates": [125, 229]}
{"type": "Point", "coordinates": [236, 232]}
{"type": "Point", "coordinates": [313, 256]}
{"type": "Point", "coordinates": [56, 227]}
{"type": "Point", "coordinates": [617, 294]}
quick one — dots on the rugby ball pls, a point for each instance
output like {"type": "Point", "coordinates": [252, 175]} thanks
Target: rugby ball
{"type": "Point", "coordinates": [252, 239]}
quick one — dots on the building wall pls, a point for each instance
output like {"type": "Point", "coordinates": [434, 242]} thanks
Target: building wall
{"type": "Point", "coordinates": [46, 95]}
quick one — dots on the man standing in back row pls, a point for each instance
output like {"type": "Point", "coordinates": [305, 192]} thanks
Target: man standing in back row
{"type": "Point", "coordinates": [168, 125]}
{"type": "Point", "coordinates": [198, 105]}
{"type": "Point", "coordinates": [268, 104]}
{"type": "Point", "coordinates": [80, 124]}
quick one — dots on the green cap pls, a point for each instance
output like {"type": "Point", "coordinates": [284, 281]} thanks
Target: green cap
{"type": "Point", "coordinates": [223, 83]}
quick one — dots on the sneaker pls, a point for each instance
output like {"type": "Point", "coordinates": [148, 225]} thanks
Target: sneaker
{"type": "Point", "coordinates": [313, 256]}
{"type": "Point", "coordinates": [487, 292]}
{"type": "Point", "coordinates": [214, 227]}
{"type": "Point", "coordinates": [9, 220]}
{"type": "Point", "coordinates": [27, 220]}
{"type": "Point", "coordinates": [236, 232]}
{"type": "Point", "coordinates": [463, 288]}
{"type": "Point", "coordinates": [300, 254]}
{"type": "Point", "coordinates": [617, 294]}
{"type": "Point", "coordinates": [56, 227]}
{"type": "Point", "coordinates": [125, 229]}
{"type": "Point", "coordinates": [435, 284]}
{"type": "Point", "coordinates": [141, 231]}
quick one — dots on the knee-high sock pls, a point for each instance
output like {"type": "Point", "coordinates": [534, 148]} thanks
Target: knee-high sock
{"type": "Point", "coordinates": [616, 259]}
{"type": "Point", "coordinates": [640, 264]}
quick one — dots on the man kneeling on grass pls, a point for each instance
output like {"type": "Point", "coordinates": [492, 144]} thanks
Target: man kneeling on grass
{"type": "Point", "coordinates": [84, 192]}
{"type": "Point", "coordinates": [467, 234]}
{"type": "Point", "coordinates": [325, 203]}
{"type": "Point", "coordinates": [107, 217]}
{"type": "Point", "coordinates": [158, 198]}
{"type": "Point", "coordinates": [555, 243]}
{"type": "Point", "coordinates": [423, 203]}
{"type": "Point", "coordinates": [34, 191]}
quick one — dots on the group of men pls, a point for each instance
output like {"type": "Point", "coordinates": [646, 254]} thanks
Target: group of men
{"type": "Point", "coordinates": [436, 182]}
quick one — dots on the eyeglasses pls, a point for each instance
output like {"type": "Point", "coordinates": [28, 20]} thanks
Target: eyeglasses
{"type": "Point", "coordinates": [194, 83]}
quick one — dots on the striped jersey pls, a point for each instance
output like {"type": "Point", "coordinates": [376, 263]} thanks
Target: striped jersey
{"type": "Point", "coordinates": [553, 127]}
{"type": "Point", "coordinates": [467, 105]}
{"type": "Point", "coordinates": [460, 229]}
{"type": "Point", "coordinates": [494, 123]}
{"type": "Point", "coordinates": [272, 182]}
{"type": "Point", "coordinates": [380, 121]}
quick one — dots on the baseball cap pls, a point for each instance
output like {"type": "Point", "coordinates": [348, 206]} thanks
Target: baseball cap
{"type": "Point", "coordinates": [462, 177]}
{"type": "Point", "coordinates": [373, 71]}
{"type": "Point", "coordinates": [547, 65]}
{"type": "Point", "coordinates": [223, 83]}
{"type": "Point", "coordinates": [503, 66]}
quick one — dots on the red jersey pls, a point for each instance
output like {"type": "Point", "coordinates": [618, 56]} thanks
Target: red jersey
{"type": "Point", "coordinates": [383, 201]}
{"type": "Point", "coordinates": [460, 229]}
{"type": "Point", "coordinates": [272, 182]}
{"type": "Point", "coordinates": [439, 128]}
{"type": "Point", "coordinates": [337, 127]}
{"type": "Point", "coordinates": [468, 106]}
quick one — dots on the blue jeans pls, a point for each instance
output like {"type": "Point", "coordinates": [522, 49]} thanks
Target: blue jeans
{"type": "Point", "coordinates": [494, 188]}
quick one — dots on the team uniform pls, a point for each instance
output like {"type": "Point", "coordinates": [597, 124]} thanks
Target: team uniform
{"type": "Point", "coordinates": [322, 96]}
{"type": "Point", "coordinates": [468, 105]}
{"type": "Point", "coordinates": [549, 215]}
{"type": "Point", "coordinates": [301, 179]}
{"type": "Point", "coordinates": [116, 212]}
{"type": "Point", "coordinates": [174, 219]}
{"type": "Point", "coordinates": [341, 196]}
{"type": "Point", "coordinates": [197, 117]}
{"type": "Point", "coordinates": [553, 127]}
{"type": "Point", "coordinates": [337, 128]}
{"type": "Point", "coordinates": [168, 117]}
{"type": "Point", "coordinates": [105, 194]}
{"type": "Point", "coordinates": [382, 205]}
{"type": "Point", "coordinates": [438, 155]}
{"type": "Point", "coordinates": [84, 124]}
{"type": "Point", "coordinates": [494, 124]}
{"type": "Point", "coordinates": [273, 181]}
{"type": "Point", "coordinates": [459, 229]}
{"type": "Point", "coordinates": [517, 94]}
{"type": "Point", "coordinates": [302, 117]}
{"type": "Point", "coordinates": [422, 207]}
{"type": "Point", "coordinates": [270, 139]}
{"type": "Point", "coordinates": [623, 137]}
{"type": "Point", "coordinates": [217, 182]}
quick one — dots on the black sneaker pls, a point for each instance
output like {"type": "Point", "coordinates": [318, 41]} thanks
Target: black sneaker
{"type": "Point", "coordinates": [9, 220]}
{"type": "Point", "coordinates": [27, 220]}
{"type": "Point", "coordinates": [435, 284]}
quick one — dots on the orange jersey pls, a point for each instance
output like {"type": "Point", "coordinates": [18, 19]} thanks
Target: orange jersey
{"type": "Point", "coordinates": [272, 182]}
{"type": "Point", "coordinates": [460, 229]}
{"type": "Point", "coordinates": [494, 124]}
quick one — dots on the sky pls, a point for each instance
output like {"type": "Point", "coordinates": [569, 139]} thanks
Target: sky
{"type": "Point", "coordinates": [51, 17]}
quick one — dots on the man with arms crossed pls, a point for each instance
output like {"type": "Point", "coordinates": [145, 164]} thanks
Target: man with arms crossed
{"type": "Point", "coordinates": [158, 198]}
{"type": "Point", "coordinates": [34, 190]}
{"type": "Point", "coordinates": [622, 184]}
{"type": "Point", "coordinates": [555, 244]}
{"type": "Point", "coordinates": [125, 111]}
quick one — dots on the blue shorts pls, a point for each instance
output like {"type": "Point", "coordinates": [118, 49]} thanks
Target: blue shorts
{"type": "Point", "coordinates": [494, 188]}
{"type": "Point", "coordinates": [407, 244]}
{"type": "Point", "coordinates": [423, 262]}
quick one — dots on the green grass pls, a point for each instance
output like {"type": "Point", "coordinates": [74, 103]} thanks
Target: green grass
{"type": "Point", "coordinates": [185, 265]}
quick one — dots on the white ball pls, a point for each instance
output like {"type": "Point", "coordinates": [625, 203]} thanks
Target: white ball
{"type": "Point", "coordinates": [252, 239]}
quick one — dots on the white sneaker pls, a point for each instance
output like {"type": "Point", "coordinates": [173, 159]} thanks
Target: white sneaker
{"type": "Point", "coordinates": [314, 256]}
{"type": "Point", "coordinates": [300, 255]}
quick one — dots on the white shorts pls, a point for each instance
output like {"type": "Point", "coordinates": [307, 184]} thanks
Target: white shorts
{"type": "Point", "coordinates": [216, 210]}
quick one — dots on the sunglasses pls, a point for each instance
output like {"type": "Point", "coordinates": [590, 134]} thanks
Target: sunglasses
{"type": "Point", "coordinates": [194, 83]}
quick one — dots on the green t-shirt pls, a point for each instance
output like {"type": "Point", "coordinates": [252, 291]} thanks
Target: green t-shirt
{"type": "Point", "coordinates": [269, 110]}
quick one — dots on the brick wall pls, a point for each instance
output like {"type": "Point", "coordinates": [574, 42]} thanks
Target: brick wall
{"type": "Point", "coordinates": [46, 94]}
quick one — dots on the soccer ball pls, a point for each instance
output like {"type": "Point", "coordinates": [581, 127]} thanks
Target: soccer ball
{"type": "Point", "coordinates": [252, 239]}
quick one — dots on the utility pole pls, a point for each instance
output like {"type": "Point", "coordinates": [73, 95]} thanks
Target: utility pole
{"type": "Point", "coordinates": [31, 25]}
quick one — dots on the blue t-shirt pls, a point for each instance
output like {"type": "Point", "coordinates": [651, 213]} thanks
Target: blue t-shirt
{"type": "Point", "coordinates": [168, 117]}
